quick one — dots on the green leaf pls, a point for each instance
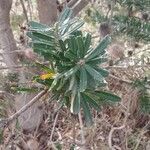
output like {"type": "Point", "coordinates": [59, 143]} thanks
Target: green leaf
{"type": "Point", "coordinates": [65, 15]}
{"type": "Point", "coordinates": [97, 61]}
{"type": "Point", "coordinates": [73, 81]}
{"type": "Point", "coordinates": [70, 55]}
{"type": "Point", "coordinates": [75, 27]}
{"type": "Point", "coordinates": [37, 26]}
{"type": "Point", "coordinates": [95, 74]}
{"type": "Point", "coordinates": [87, 113]}
{"type": "Point", "coordinates": [92, 102]}
{"type": "Point", "coordinates": [75, 102]}
{"type": "Point", "coordinates": [41, 48]}
{"type": "Point", "coordinates": [83, 79]}
{"type": "Point", "coordinates": [55, 81]}
{"type": "Point", "coordinates": [103, 72]}
{"type": "Point", "coordinates": [81, 49]}
{"type": "Point", "coordinates": [71, 71]}
{"type": "Point", "coordinates": [40, 36]}
{"type": "Point", "coordinates": [87, 42]}
{"type": "Point", "coordinates": [107, 96]}
{"type": "Point", "coordinates": [62, 45]}
{"type": "Point", "coordinates": [100, 49]}
{"type": "Point", "coordinates": [72, 45]}
{"type": "Point", "coordinates": [44, 67]}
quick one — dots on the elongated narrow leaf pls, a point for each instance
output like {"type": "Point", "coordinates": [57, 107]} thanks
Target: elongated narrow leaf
{"type": "Point", "coordinates": [71, 71]}
{"type": "Point", "coordinates": [87, 42]}
{"type": "Point", "coordinates": [97, 61]}
{"type": "Point", "coordinates": [95, 74]}
{"type": "Point", "coordinates": [64, 15]}
{"type": "Point", "coordinates": [103, 72]}
{"type": "Point", "coordinates": [44, 44]}
{"type": "Point", "coordinates": [87, 113]}
{"type": "Point", "coordinates": [65, 29]}
{"type": "Point", "coordinates": [41, 48]}
{"type": "Point", "coordinates": [91, 101]}
{"type": "Point", "coordinates": [75, 103]}
{"type": "Point", "coordinates": [62, 45]}
{"type": "Point", "coordinates": [100, 49]}
{"type": "Point", "coordinates": [57, 78]}
{"type": "Point", "coordinates": [83, 79]}
{"type": "Point", "coordinates": [73, 82]}
{"type": "Point", "coordinates": [44, 67]}
{"type": "Point", "coordinates": [40, 36]}
{"type": "Point", "coordinates": [70, 55]}
{"type": "Point", "coordinates": [72, 45]}
{"type": "Point", "coordinates": [75, 27]}
{"type": "Point", "coordinates": [107, 96]}
{"type": "Point", "coordinates": [81, 48]}
{"type": "Point", "coordinates": [37, 26]}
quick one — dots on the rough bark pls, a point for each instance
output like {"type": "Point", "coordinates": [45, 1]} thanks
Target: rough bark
{"type": "Point", "coordinates": [47, 10]}
{"type": "Point", "coordinates": [32, 117]}
{"type": "Point", "coordinates": [7, 41]}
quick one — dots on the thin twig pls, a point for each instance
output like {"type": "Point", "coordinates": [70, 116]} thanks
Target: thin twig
{"type": "Point", "coordinates": [119, 79]}
{"type": "Point", "coordinates": [119, 128]}
{"type": "Point", "coordinates": [71, 3]}
{"type": "Point", "coordinates": [29, 6]}
{"type": "Point", "coordinates": [55, 121]}
{"type": "Point", "coordinates": [82, 130]}
{"type": "Point", "coordinates": [24, 10]}
{"type": "Point", "coordinates": [110, 135]}
{"type": "Point", "coordinates": [6, 121]}
{"type": "Point", "coordinates": [15, 67]}
{"type": "Point", "coordinates": [141, 135]}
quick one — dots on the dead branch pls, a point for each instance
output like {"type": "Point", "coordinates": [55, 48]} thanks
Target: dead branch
{"type": "Point", "coordinates": [4, 122]}
{"type": "Point", "coordinates": [71, 3]}
{"type": "Point", "coordinates": [111, 146]}
{"type": "Point", "coordinates": [15, 67]}
{"type": "Point", "coordinates": [119, 79]}
{"type": "Point", "coordinates": [24, 10]}
{"type": "Point", "coordinates": [55, 121]}
{"type": "Point", "coordinates": [78, 6]}
{"type": "Point", "coordinates": [4, 93]}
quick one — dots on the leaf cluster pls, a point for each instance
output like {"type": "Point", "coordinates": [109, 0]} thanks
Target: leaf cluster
{"type": "Point", "coordinates": [74, 61]}
{"type": "Point", "coordinates": [133, 27]}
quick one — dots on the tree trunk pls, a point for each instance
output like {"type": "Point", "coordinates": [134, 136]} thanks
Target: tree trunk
{"type": "Point", "coordinates": [30, 119]}
{"type": "Point", "coordinates": [47, 10]}
{"type": "Point", "coordinates": [7, 41]}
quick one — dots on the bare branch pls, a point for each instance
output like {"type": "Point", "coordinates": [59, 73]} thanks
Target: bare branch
{"type": "Point", "coordinates": [15, 67]}
{"type": "Point", "coordinates": [71, 3]}
{"type": "Point", "coordinates": [55, 121]}
{"type": "Point", "coordinates": [78, 6]}
{"type": "Point", "coordinates": [119, 79]}
{"type": "Point", "coordinates": [6, 121]}
{"type": "Point", "coordinates": [24, 10]}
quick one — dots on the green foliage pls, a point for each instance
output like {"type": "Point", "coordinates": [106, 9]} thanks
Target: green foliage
{"type": "Point", "coordinates": [75, 62]}
{"type": "Point", "coordinates": [133, 27]}
{"type": "Point", "coordinates": [137, 4]}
